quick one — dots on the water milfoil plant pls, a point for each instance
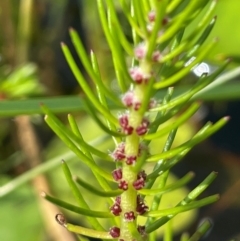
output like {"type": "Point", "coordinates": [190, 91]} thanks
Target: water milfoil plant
{"type": "Point", "coordinates": [147, 67]}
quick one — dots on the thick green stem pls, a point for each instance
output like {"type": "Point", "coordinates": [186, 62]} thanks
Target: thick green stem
{"type": "Point", "coordinates": [132, 146]}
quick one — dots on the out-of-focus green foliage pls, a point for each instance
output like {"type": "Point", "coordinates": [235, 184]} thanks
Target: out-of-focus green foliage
{"type": "Point", "coordinates": [22, 82]}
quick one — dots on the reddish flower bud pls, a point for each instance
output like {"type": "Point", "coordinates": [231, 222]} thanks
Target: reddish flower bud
{"type": "Point", "coordinates": [118, 200]}
{"type": "Point", "coordinates": [141, 230]}
{"type": "Point", "coordinates": [156, 56]}
{"type": "Point", "coordinates": [136, 105]}
{"type": "Point", "coordinates": [141, 208]}
{"type": "Point", "coordinates": [143, 127]}
{"type": "Point", "coordinates": [151, 16]}
{"type": "Point", "coordinates": [138, 75]}
{"type": "Point", "coordinates": [116, 209]}
{"type": "Point", "coordinates": [123, 120]}
{"type": "Point", "coordinates": [123, 185]}
{"type": "Point", "coordinates": [128, 99]}
{"type": "Point", "coordinates": [124, 123]}
{"type": "Point", "coordinates": [117, 174]}
{"type": "Point", "coordinates": [114, 232]}
{"type": "Point", "coordinates": [139, 183]}
{"type": "Point", "coordinates": [128, 130]}
{"type": "Point", "coordinates": [142, 174]}
{"type": "Point", "coordinates": [118, 154]}
{"type": "Point", "coordinates": [130, 160]}
{"type": "Point", "coordinates": [165, 21]}
{"type": "Point", "coordinates": [129, 216]}
{"type": "Point", "coordinates": [140, 51]}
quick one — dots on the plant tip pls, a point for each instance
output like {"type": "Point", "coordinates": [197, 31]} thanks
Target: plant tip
{"type": "Point", "coordinates": [43, 194]}
{"type": "Point", "coordinates": [227, 118]}
{"type": "Point", "coordinates": [60, 219]}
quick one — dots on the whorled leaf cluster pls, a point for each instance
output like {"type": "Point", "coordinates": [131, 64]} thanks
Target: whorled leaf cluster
{"type": "Point", "coordinates": [162, 55]}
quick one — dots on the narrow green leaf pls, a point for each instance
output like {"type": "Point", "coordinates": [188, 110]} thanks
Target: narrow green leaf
{"type": "Point", "coordinates": [122, 38]}
{"type": "Point", "coordinates": [118, 60]}
{"type": "Point", "coordinates": [146, 6]}
{"type": "Point", "coordinates": [192, 142]}
{"type": "Point", "coordinates": [184, 237]}
{"type": "Point", "coordinates": [202, 229]}
{"type": "Point", "coordinates": [184, 208]}
{"type": "Point", "coordinates": [203, 81]}
{"type": "Point", "coordinates": [82, 211]}
{"type": "Point", "coordinates": [74, 137]}
{"type": "Point", "coordinates": [77, 194]}
{"type": "Point", "coordinates": [181, 182]}
{"type": "Point", "coordinates": [164, 165]}
{"type": "Point", "coordinates": [179, 121]}
{"type": "Point", "coordinates": [101, 97]}
{"type": "Point", "coordinates": [87, 65]}
{"type": "Point", "coordinates": [188, 199]}
{"type": "Point", "coordinates": [86, 185]}
{"type": "Point", "coordinates": [87, 152]}
{"type": "Point", "coordinates": [180, 20]}
{"type": "Point", "coordinates": [188, 43]}
{"type": "Point", "coordinates": [88, 232]}
{"type": "Point", "coordinates": [86, 88]}
{"type": "Point", "coordinates": [201, 39]}
{"type": "Point", "coordinates": [76, 150]}
{"type": "Point", "coordinates": [132, 21]}
{"type": "Point", "coordinates": [183, 72]}
{"type": "Point", "coordinates": [93, 114]}
{"type": "Point", "coordinates": [168, 232]}
{"type": "Point", "coordinates": [172, 5]}
{"type": "Point", "coordinates": [154, 174]}
{"type": "Point", "coordinates": [140, 15]}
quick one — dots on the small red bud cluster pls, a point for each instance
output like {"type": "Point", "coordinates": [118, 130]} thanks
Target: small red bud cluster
{"type": "Point", "coordinates": [129, 216]}
{"type": "Point", "coordinates": [117, 174]}
{"type": "Point", "coordinates": [140, 182]}
{"type": "Point", "coordinates": [141, 51]}
{"type": "Point", "coordinates": [151, 16]}
{"type": "Point", "coordinates": [141, 230]}
{"type": "Point", "coordinates": [116, 208]}
{"type": "Point", "coordinates": [141, 206]}
{"type": "Point", "coordinates": [119, 153]}
{"type": "Point", "coordinates": [143, 127]}
{"type": "Point", "coordinates": [114, 232]}
{"type": "Point", "coordinates": [124, 123]}
{"type": "Point", "coordinates": [129, 100]}
{"type": "Point", "coordinates": [123, 185]}
{"type": "Point", "coordinates": [138, 76]}
{"type": "Point", "coordinates": [131, 160]}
